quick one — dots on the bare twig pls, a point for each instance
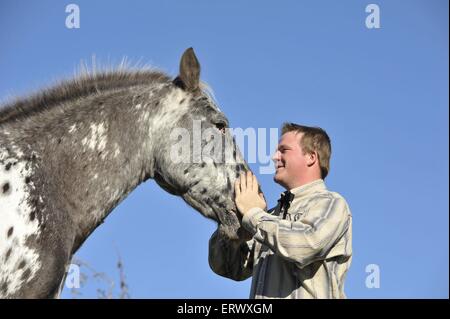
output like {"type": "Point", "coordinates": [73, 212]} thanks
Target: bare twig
{"type": "Point", "coordinates": [101, 277]}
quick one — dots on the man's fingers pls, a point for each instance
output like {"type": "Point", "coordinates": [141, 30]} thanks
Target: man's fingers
{"type": "Point", "coordinates": [243, 182]}
{"type": "Point", "coordinates": [249, 180]}
{"type": "Point", "coordinates": [255, 184]}
{"type": "Point", "coordinates": [246, 182]}
{"type": "Point", "coordinates": [237, 186]}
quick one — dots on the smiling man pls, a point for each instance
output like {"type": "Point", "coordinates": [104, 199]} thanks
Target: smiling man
{"type": "Point", "coordinates": [302, 248]}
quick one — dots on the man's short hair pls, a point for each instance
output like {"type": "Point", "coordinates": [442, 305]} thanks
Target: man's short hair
{"type": "Point", "coordinates": [314, 139]}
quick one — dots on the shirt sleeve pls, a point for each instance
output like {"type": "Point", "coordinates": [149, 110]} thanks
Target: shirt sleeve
{"type": "Point", "coordinates": [304, 241]}
{"type": "Point", "coordinates": [231, 258]}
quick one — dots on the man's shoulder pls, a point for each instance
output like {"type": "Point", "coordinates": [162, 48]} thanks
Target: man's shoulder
{"type": "Point", "coordinates": [336, 195]}
{"type": "Point", "coordinates": [328, 195]}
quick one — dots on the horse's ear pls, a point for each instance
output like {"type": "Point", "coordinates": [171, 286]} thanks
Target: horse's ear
{"type": "Point", "coordinates": [189, 78]}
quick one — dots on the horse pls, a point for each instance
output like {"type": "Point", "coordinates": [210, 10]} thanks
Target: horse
{"type": "Point", "coordinates": [70, 153]}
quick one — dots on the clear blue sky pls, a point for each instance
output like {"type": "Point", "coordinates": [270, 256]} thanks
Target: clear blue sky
{"type": "Point", "coordinates": [381, 94]}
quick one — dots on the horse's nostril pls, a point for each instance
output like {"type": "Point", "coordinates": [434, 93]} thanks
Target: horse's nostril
{"type": "Point", "coordinates": [229, 184]}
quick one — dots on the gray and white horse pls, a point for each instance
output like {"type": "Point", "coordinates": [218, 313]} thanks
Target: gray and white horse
{"type": "Point", "coordinates": [71, 153]}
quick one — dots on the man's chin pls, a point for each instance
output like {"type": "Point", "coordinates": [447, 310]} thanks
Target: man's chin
{"type": "Point", "coordinates": [277, 178]}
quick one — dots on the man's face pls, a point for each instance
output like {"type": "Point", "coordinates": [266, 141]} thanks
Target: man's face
{"type": "Point", "coordinates": [290, 162]}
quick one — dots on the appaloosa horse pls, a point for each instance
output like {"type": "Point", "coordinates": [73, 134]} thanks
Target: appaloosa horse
{"type": "Point", "coordinates": [71, 153]}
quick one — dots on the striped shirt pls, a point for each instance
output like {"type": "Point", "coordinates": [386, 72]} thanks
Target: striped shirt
{"type": "Point", "coordinates": [305, 255]}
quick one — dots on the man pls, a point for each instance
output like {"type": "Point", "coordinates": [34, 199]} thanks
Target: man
{"type": "Point", "coordinates": [303, 247]}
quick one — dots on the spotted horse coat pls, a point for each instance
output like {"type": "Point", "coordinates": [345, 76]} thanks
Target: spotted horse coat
{"type": "Point", "coordinates": [69, 154]}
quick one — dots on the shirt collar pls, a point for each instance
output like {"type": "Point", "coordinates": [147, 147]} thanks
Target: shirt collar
{"type": "Point", "coordinates": [305, 190]}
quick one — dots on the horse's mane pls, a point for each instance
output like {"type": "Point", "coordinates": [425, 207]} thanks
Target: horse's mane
{"type": "Point", "coordinates": [78, 87]}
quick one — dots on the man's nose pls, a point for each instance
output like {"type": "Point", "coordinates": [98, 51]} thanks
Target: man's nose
{"type": "Point", "coordinates": [276, 156]}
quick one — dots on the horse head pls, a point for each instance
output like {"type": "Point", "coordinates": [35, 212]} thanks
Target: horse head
{"type": "Point", "coordinates": [197, 157]}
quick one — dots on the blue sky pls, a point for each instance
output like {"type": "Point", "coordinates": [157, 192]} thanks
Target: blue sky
{"type": "Point", "coordinates": [381, 94]}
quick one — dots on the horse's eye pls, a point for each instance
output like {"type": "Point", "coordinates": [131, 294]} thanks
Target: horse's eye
{"type": "Point", "coordinates": [221, 127]}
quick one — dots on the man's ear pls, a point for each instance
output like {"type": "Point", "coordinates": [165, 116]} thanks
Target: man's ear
{"type": "Point", "coordinates": [189, 77]}
{"type": "Point", "coordinates": [311, 158]}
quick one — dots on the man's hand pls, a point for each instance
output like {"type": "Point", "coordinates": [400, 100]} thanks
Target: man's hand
{"type": "Point", "coordinates": [247, 197]}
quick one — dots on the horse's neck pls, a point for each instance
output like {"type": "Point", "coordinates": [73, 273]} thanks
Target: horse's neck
{"type": "Point", "coordinates": [116, 155]}
{"type": "Point", "coordinates": [92, 155]}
